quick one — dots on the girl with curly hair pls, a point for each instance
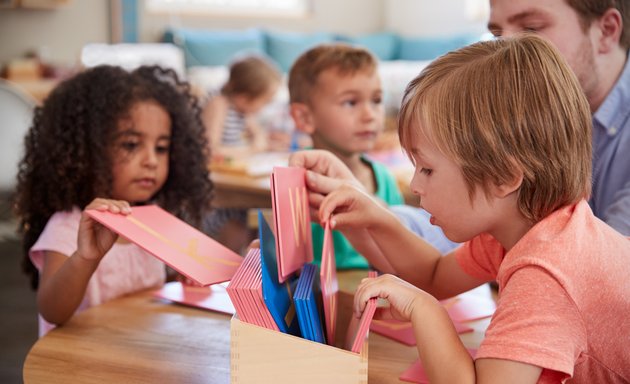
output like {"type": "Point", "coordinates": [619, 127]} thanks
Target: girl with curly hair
{"type": "Point", "coordinates": [105, 139]}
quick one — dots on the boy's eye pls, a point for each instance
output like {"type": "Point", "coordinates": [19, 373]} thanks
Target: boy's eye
{"type": "Point", "coordinates": [426, 171]}
{"type": "Point", "coordinates": [377, 100]}
{"type": "Point", "coordinates": [349, 103]}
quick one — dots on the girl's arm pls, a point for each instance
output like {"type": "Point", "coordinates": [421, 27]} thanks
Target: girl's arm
{"type": "Point", "coordinates": [64, 279]}
{"type": "Point", "coordinates": [443, 355]}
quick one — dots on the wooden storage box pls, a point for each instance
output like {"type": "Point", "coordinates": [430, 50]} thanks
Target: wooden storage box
{"type": "Point", "coordinates": [260, 355]}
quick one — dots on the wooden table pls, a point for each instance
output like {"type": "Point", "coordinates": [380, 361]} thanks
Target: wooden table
{"type": "Point", "coordinates": [240, 191]}
{"type": "Point", "coordinates": [141, 339]}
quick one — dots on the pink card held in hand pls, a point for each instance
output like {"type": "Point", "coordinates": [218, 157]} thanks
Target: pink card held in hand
{"type": "Point", "coordinates": [184, 248]}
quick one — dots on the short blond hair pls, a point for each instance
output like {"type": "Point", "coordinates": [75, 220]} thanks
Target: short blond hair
{"type": "Point", "coordinates": [499, 106]}
{"type": "Point", "coordinates": [344, 58]}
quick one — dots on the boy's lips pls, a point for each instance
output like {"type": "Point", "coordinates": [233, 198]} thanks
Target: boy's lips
{"type": "Point", "coordinates": [366, 135]}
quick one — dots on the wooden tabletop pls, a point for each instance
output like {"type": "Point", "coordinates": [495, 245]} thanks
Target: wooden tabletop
{"type": "Point", "coordinates": [142, 339]}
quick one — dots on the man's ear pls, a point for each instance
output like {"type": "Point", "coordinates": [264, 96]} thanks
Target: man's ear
{"type": "Point", "coordinates": [610, 28]}
{"type": "Point", "coordinates": [302, 117]}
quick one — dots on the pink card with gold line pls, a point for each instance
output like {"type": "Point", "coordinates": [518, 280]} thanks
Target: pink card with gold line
{"type": "Point", "coordinates": [184, 248]}
{"type": "Point", "coordinates": [292, 221]}
{"type": "Point", "coordinates": [329, 284]}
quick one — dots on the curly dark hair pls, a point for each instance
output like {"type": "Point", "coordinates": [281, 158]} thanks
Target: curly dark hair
{"type": "Point", "coordinates": [68, 159]}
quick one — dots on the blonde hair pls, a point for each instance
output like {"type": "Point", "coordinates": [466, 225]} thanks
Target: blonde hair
{"type": "Point", "coordinates": [346, 59]}
{"type": "Point", "coordinates": [500, 106]}
{"type": "Point", "coordinates": [252, 76]}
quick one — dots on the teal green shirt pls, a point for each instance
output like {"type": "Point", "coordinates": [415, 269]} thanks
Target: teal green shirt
{"type": "Point", "coordinates": [346, 256]}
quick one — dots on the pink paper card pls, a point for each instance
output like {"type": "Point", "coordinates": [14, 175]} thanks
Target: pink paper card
{"type": "Point", "coordinates": [292, 220]}
{"type": "Point", "coordinates": [329, 284]}
{"type": "Point", "coordinates": [358, 328]}
{"type": "Point", "coordinates": [213, 298]}
{"type": "Point", "coordinates": [467, 307]}
{"type": "Point", "coordinates": [184, 248]}
{"type": "Point", "coordinates": [416, 374]}
{"type": "Point", "coordinates": [402, 331]}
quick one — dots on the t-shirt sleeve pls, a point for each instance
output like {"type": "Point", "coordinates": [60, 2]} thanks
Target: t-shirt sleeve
{"type": "Point", "coordinates": [59, 235]}
{"type": "Point", "coordinates": [536, 323]}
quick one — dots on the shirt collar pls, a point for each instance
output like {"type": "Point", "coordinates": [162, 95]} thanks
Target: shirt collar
{"type": "Point", "coordinates": [615, 109]}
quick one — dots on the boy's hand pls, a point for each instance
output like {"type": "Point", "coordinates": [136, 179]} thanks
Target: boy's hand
{"type": "Point", "coordinates": [95, 239]}
{"type": "Point", "coordinates": [325, 173]}
{"type": "Point", "coordinates": [351, 207]}
{"type": "Point", "coordinates": [403, 297]}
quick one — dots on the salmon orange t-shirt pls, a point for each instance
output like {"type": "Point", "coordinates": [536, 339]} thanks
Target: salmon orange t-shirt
{"type": "Point", "coordinates": [564, 297]}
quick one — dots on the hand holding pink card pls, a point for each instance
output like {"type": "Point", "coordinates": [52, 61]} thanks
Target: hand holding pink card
{"type": "Point", "coordinates": [184, 248]}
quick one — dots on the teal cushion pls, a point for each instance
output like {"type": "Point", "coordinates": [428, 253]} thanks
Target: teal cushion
{"type": "Point", "coordinates": [215, 47]}
{"type": "Point", "coordinates": [284, 47]}
{"type": "Point", "coordinates": [383, 45]}
{"type": "Point", "coordinates": [428, 48]}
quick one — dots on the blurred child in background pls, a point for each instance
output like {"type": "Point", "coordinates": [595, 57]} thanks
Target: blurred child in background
{"type": "Point", "coordinates": [230, 115]}
{"type": "Point", "coordinates": [336, 97]}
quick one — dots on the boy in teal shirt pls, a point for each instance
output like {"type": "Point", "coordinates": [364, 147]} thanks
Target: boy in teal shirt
{"type": "Point", "coordinates": [336, 97]}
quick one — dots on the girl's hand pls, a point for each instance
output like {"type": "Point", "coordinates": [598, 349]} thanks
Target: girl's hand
{"type": "Point", "coordinates": [95, 239]}
{"type": "Point", "coordinates": [403, 297]}
{"type": "Point", "coordinates": [351, 207]}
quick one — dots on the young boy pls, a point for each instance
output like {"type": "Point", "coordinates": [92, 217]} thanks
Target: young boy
{"type": "Point", "coordinates": [335, 94]}
{"type": "Point", "coordinates": [499, 134]}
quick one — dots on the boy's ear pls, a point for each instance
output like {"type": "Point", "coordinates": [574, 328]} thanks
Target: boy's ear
{"type": "Point", "coordinates": [506, 188]}
{"type": "Point", "coordinates": [302, 117]}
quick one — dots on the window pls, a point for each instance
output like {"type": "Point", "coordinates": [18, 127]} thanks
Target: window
{"type": "Point", "coordinates": [233, 7]}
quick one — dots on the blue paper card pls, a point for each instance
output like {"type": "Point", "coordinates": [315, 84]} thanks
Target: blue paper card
{"type": "Point", "coordinates": [277, 296]}
{"type": "Point", "coordinates": [309, 304]}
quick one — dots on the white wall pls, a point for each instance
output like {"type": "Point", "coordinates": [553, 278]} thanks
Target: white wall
{"type": "Point", "coordinates": [62, 32]}
{"type": "Point", "coordinates": [351, 17]}
{"type": "Point", "coordinates": [433, 18]}
{"type": "Point", "coordinates": [59, 33]}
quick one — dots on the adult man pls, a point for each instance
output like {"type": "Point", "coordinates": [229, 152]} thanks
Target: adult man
{"type": "Point", "coordinates": [594, 37]}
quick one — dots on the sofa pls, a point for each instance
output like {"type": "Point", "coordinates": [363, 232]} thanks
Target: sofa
{"type": "Point", "coordinates": [202, 56]}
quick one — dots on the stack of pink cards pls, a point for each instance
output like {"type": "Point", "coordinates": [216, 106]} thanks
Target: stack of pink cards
{"type": "Point", "coordinates": [292, 221]}
{"type": "Point", "coordinates": [213, 298]}
{"type": "Point", "coordinates": [329, 285]}
{"type": "Point", "coordinates": [358, 328]}
{"type": "Point", "coordinates": [245, 291]}
{"type": "Point", "coordinates": [184, 248]}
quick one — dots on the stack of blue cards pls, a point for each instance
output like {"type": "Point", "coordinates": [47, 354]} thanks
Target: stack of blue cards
{"type": "Point", "coordinates": [277, 296]}
{"type": "Point", "coordinates": [308, 304]}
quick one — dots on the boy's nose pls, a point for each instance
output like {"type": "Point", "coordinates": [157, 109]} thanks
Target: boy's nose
{"type": "Point", "coordinates": [369, 111]}
{"type": "Point", "coordinates": [416, 185]}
